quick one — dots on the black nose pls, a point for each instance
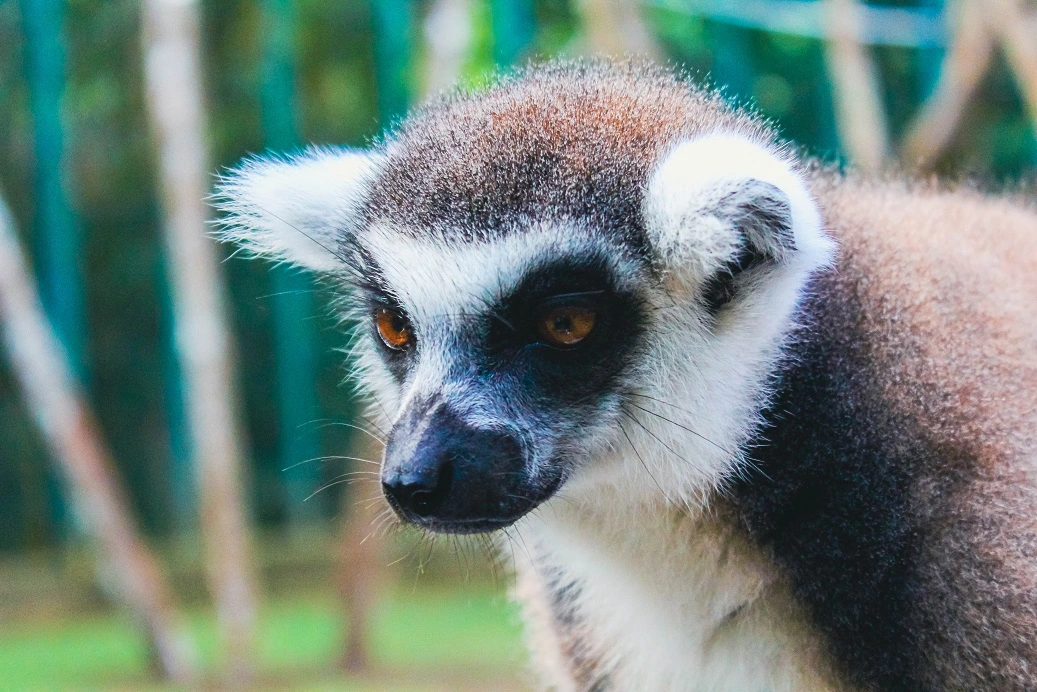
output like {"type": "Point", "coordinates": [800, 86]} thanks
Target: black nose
{"type": "Point", "coordinates": [420, 492]}
{"type": "Point", "coordinates": [447, 475]}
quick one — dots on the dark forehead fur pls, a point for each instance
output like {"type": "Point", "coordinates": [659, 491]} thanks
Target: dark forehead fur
{"type": "Point", "coordinates": [562, 141]}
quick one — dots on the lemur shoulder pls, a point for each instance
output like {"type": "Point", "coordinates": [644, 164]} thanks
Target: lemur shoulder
{"type": "Point", "coordinates": [756, 424]}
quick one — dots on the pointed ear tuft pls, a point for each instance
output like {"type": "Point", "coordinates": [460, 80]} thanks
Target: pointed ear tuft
{"type": "Point", "coordinates": [711, 195]}
{"type": "Point", "coordinates": [297, 209]}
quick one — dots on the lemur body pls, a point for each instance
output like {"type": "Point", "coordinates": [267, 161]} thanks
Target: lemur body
{"type": "Point", "coordinates": [608, 311]}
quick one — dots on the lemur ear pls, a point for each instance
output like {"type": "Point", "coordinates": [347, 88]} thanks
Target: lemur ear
{"type": "Point", "coordinates": [296, 209]}
{"type": "Point", "coordinates": [709, 197]}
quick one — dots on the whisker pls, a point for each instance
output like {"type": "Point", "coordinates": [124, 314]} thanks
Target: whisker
{"type": "Point", "coordinates": [325, 487]}
{"type": "Point", "coordinates": [367, 419]}
{"type": "Point", "coordinates": [662, 442]}
{"type": "Point", "coordinates": [333, 253]}
{"type": "Point", "coordinates": [371, 501]}
{"type": "Point", "coordinates": [383, 517]}
{"type": "Point", "coordinates": [329, 458]}
{"type": "Point", "coordinates": [682, 427]}
{"type": "Point", "coordinates": [292, 292]}
{"type": "Point", "coordinates": [647, 470]}
{"type": "Point", "coordinates": [330, 423]}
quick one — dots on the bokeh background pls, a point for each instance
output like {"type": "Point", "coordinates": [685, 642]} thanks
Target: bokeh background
{"type": "Point", "coordinates": [926, 85]}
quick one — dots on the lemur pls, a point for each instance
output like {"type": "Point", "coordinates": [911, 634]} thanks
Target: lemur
{"type": "Point", "coordinates": [752, 423]}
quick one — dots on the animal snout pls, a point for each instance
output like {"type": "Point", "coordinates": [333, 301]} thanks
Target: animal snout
{"type": "Point", "coordinates": [447, 475]}
{"type": "Point", "coordinates": [422, 490]}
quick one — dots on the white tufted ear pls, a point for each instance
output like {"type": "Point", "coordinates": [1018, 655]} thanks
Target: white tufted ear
{"type": "Point", "coordinates": [295, 209]}
{"type": "Point", "coordinates": [705, 187]}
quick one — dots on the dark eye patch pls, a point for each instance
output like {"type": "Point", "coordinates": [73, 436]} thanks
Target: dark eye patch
{"type": "Point", "coordinates": [586, 283]}
{"type": "Point", "coordinates": [396, 360]}
{"type": "Point", "coordinates": [515, 347]}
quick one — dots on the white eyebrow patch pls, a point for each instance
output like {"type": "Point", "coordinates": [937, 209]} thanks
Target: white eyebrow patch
{"type": "Point", "coordinates": [433, 276]}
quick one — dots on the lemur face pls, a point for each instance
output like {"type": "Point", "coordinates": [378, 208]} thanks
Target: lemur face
{"type": "Point", "coordinates": [558, 284]}
{"type": "Point", "coordinates": [499, 360]}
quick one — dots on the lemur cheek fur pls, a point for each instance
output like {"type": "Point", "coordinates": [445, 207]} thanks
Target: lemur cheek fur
{"type": "Point", "coordinates": [755, 422]}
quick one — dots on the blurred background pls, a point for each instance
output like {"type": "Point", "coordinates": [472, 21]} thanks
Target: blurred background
{"type": "Point", "coordinates": [183, 496]}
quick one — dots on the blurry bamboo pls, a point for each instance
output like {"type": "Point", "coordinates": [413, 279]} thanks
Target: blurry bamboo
{"type": "Point", "coordinates": [72, 436]}
{"type": "Point", "coordinates": [860, 116]}
{"type": "Point", "coordinates": [362, 568]}
{"type": "Point", "coordinates": [174, 90]}
{"type": "Point", "coordinates": [980, 28]}
{"type": "Point", "coordinates": [1016, 31]}
{"type": "Point", "coordinates": [616, 28]}
{"type": "Point", "coordinates": [968, 58]}
{"type": "Point", "coordinates": [448, 33]}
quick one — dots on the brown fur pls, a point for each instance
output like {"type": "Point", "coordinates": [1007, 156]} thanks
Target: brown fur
{"type": "Point", "coordinates": [575, 139]}
{"type": "Point", "coordinates": [945, 283]}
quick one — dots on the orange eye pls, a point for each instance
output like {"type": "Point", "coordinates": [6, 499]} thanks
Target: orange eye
{"type": "Point", "coordinates": [394, 328]}
{"type": "Point", "coordinates": [567, 325]}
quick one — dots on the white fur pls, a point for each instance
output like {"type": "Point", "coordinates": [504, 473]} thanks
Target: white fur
{"type": "Point", "coordinates": [680, 602]}
{"type": "Point", "coordinates": [685, 186]}
{"type": "Point", "coordinates": [296, 209]}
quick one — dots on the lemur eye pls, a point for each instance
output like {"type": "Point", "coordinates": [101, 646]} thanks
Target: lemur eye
{"type": "Point", "coordinates": [394, 328]}
{"type": "Point", "coordinates": [567, 325]}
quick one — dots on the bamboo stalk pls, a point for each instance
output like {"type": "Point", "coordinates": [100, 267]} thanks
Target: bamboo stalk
{"type": "Point", "coordinates": [1015, 29]}
{"type": "Point", "coordinates": [967, 60]}
{"type": "Point", "coordinates": [617, 28]}
{"type": "Point", "coordinates": [361, 567]}
{"type": "Point", "coordinates": [861, 118]}
{"type": "Point", "coordinates": [72, 436]}
{"type": "Point", "coordinates": [203, 342]}
{"type": "Point", "coordinates": [448, 34]}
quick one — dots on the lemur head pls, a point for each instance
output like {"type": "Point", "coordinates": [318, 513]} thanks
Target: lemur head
{"type": "Point", "coordinates": [578, 277]}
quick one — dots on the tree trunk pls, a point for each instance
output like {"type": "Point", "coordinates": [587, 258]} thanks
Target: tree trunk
{"type": "Point", "coordinates": [1015, 28]}
{"type": "Point", "coordinates": [203, 343]}
{"type": "Point", "coordinates": [72, 436]}
{"type": "Point", "coordinates": [448, 34]}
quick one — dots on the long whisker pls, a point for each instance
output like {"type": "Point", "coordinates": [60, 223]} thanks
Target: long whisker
{"type": "Point", "coordinates": [329, 458]}
{"type": "Point", "coordinates": [639, 458]}
{"type": "Point", "coordinates": [367, 419]}
{"type": "Point", "coordinates": [682, 427]}
{"type": "Point", "coordinates": [341, 258]}
{"type": "Point", "coordinates": [329, 423]}
{"type": "Point", "coordinates": [662, 442]}
{"type": "Point", "coordinates": [330, 484]}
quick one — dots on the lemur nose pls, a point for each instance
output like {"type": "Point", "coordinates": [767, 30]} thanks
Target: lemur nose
{"type": "Point", "coordinates": [423, 491]}
{"type": "Point", "coordinates": [447, 475]}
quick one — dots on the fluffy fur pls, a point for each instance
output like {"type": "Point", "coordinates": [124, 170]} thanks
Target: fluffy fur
{"type": "Point", "coordinates": [797, 468]}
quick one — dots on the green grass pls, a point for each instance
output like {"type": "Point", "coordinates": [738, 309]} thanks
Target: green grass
{"type": "Point", "coordinates": [421, 639]}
